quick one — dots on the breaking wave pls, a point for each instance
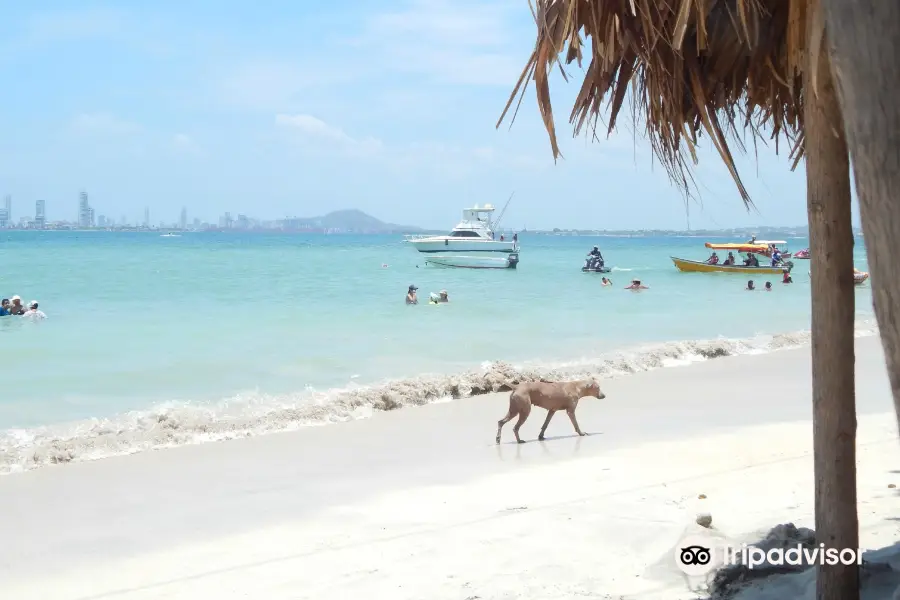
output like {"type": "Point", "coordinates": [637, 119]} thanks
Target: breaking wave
{"type": "Point", "coordinates": [243, 416]}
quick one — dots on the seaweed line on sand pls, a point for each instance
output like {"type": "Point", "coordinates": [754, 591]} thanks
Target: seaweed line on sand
{"type": "Point", "coordinates": [180, 424]}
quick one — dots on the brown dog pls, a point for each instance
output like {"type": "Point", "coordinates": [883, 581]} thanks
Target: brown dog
{"type": "Point", "coordinates": [553, 397]}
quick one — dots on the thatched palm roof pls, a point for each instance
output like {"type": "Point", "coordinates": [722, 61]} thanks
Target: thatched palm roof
{"type": "Point", "coordinates": [719, 66]}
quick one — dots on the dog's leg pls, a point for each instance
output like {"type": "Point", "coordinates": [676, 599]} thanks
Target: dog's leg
{"type": "Point", "coordinates": [513, 411]}
{"type": "Point", "coordinates": [571, 413]}
{"type": "Point", "coordinates": [504, 421]}
{"type": "Point", "coordinates": [550, 413]}
{"type": "Point", "coordinates": [523, 415]}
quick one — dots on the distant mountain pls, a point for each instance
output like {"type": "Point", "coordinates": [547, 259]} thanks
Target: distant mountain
{"type": "Point", "coordinates": [355, 221]}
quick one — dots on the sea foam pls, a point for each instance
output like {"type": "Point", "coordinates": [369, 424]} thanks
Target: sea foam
{"type": "Point", "coordinates": [172, 424]}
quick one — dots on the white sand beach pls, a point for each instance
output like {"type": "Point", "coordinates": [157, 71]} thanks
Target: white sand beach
{"type": "Point", "coordinates": [420, 503]}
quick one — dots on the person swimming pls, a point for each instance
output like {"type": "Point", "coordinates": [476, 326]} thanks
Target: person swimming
{"type": "Point", "coordinates": [411, 297]}
{"type": "Point", "coordinates": [768, 286]}
{"type": "Point", "coordinates": [604, 281]}
{"type": "Point", "coordinates": [750, 287]}
{"type": "Point", "coordinates": [440, 298]}
{"type": "Point", "coordinates": [33, 312]}
{"type": "Point", "coordinates": [636, 285]}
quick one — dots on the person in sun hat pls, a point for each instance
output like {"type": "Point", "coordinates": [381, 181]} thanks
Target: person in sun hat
{"type": "Point", "coordinates": [15, 306]}
{"type": "Point", "coordinates": [33, 312]}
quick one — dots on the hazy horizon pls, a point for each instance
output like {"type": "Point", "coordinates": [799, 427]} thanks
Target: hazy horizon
{"type": "Point", "coordinates": [272, 113]}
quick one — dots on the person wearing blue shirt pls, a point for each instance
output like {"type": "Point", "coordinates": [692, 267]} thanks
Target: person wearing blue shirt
{"type": "Point", "coordinates": [4, 308]}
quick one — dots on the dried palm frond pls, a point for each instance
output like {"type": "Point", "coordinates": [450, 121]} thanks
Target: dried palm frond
{"type": "Point", "coordinates": [694, 66]}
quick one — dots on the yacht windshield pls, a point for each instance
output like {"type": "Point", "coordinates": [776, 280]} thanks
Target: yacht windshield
{"type": "Point", "coordinates": [464, 234]}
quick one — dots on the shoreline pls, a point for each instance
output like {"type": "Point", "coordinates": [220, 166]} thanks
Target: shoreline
{"type": "Point", "coordinates": [174, 425]}
{"type": "Point", "coordinates": [215, 514]}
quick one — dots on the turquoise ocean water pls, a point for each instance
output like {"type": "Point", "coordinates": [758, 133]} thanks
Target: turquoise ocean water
{"type": "Point", "coordinates": [153, 340]}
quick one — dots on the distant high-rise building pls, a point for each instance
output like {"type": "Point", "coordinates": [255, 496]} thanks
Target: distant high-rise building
{"type": "Point", "coordinates": [147, 217]}
{"type": "Point", "coordinates": [85, 212]}
{"type": "Point", "coordinates": [183, 221]}
{"type": "Point", "coordinates": [6, 212]}
{"type": "Point", "coordinates": [40, 214]}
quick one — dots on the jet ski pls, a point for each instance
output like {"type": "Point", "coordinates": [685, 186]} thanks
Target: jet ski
{"type": "Point", "coordinates": [593, 264]}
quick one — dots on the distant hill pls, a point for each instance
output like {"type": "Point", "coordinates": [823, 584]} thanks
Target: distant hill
{"type": "Point", "coordinates": [355, 221]}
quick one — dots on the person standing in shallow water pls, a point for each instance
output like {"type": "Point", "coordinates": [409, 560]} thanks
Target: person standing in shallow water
{"type": "Point", "coordinates": [33, 313]}
{"type": "Point", "coordinates": [750, 287]}
{"type": "Point", "coordinates": [16, 307]}
{"type": "Point", "coordinates": [411, 297]}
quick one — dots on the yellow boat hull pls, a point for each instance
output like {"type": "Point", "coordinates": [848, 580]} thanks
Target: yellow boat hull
{"type": "Point", "coordinates": [695, 266]}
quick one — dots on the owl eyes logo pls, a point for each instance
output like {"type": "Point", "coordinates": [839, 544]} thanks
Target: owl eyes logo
{"type": "Point", "coordinates": [694, 556]}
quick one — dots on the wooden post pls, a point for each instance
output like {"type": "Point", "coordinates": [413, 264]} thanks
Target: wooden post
{"type": "Point", "coordinates": [866, 58]}
{"type": "Point", "coordinates": [833, 308]}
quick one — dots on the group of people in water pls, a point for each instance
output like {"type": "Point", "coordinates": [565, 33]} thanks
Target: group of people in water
{"type": "Point", "coordinates": [13, 307]}
{"type": "Point", "coordinates": [595, 261]}
{"type": "Point", "coordinates": [412, 296]}
{"type": "Point", "coordinates": [786, 278]}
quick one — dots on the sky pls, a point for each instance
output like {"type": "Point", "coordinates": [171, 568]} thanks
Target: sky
{"type": "Point", "coordinates": [282, 108]}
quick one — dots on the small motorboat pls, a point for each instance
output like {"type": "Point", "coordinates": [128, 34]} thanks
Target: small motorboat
{"type": "Point", "coordinates": [802, 254]}
{"type": "Point", "coordinates": [696, 266]}
{"type": "Point", "coordinates": [481, 261]}
{"type": "Point", "coordinates": [859, 277]}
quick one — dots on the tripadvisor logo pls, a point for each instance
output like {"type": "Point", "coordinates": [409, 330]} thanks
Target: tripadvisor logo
{"type": "Point", "coordinates": [696, 556]}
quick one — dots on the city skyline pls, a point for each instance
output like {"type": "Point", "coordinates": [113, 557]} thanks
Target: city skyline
{"type": "Point", "coordinates": [88, 219]}
{"type": "Point", "coordinates": [85, 215]}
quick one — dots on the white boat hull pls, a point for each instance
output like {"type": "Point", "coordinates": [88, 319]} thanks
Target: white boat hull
{"type": "Point", "coordinates": [449, 244]}
{"type": "Point", "coordinates": [483, 261]}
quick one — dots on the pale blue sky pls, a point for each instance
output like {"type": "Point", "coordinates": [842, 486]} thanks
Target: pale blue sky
{"type": "Point", "coordinates": [292, 108]}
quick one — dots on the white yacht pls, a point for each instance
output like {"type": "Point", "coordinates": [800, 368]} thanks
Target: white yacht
{"type": "Point", "coordinates": [473, 234]}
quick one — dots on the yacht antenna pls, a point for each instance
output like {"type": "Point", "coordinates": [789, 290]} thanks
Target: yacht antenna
{"type": "Point", "coordinates": [497, 222]}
